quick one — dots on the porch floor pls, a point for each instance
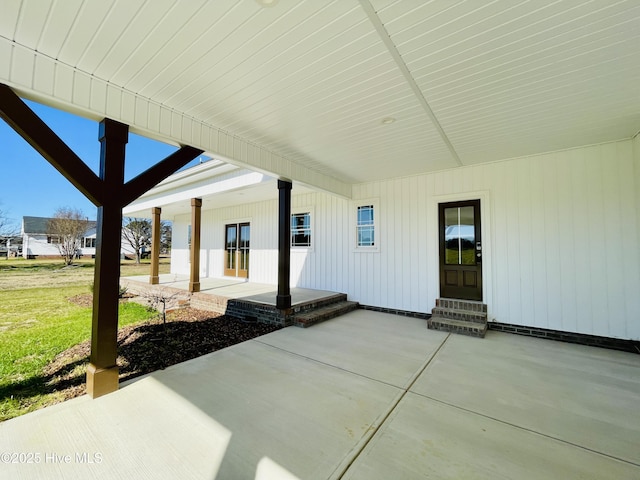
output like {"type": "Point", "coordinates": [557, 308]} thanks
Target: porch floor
{"type": "Point", "coordinates": [364, 396]}
{"type": "Point", "coordinates": [235, 289]}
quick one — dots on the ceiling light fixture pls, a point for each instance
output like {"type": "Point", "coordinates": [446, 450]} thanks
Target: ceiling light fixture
{"type": "Point", "coordinates": [388, 120]}
{"type": "Point", "coordinates": [266, 3]}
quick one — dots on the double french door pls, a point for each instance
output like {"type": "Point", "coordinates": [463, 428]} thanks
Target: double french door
{"type": "Point", "coordinates": [236, 255]}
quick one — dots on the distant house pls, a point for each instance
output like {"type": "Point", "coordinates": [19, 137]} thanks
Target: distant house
{"type": "Point", "coordinates": [37, 240]}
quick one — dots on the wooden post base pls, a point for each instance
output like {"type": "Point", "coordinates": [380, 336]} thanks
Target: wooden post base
{"type": "Point", "coordinates": [101, 381]}
{"type": "Point", "coordinates": [154, 280]}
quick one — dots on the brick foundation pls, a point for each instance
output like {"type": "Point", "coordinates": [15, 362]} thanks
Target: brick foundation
{"type": "Point", "coordinates": [632, 346]}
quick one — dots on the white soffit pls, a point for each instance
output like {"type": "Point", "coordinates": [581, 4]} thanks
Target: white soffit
{"type": "Point", "coordinates": [299, 90]}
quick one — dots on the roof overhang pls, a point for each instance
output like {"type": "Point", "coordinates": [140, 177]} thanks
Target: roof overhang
{"type": "Point", "coordinates": [329, 94]}
{"type": "Point", "coordinates": [218, 184]}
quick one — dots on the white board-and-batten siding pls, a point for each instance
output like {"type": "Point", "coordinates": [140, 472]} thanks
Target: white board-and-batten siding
{"type": "Point", "coordinates": [561, 235]}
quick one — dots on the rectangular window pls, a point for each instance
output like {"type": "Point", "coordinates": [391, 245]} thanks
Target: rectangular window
{"type": "Point", "coordinates": [301, 229]}
{"type": "Point", "coordinates": [89, 242]}
{"type": "Point", "coordinates": [55, 239]}
{"type": "Point", "coordinates": [365, 228]}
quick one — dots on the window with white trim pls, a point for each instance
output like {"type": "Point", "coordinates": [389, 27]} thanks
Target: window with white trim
{"type": "Point", "coordinates": [301, 229]}
{"type": "Point", "coordinates": [366, 226]}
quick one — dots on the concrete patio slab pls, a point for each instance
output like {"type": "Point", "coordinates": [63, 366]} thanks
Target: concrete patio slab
{"type": "Point", "coordinates": [371, 345]}
{"type": "Point", "coordinates": [428, 439]}
{"type": "Point", "coordinates": [366, 395]}
{"type": "Point", "coordinates": [565, 391]}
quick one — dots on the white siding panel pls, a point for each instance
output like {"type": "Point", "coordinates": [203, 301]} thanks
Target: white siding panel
{"type": "Point", "coordinates": [81, 90]}
{"type": "Point", "coordinates": [114, 102]}
{"type": "Point", "coordinates": [631, 276]}
{"type": "Point", "coordinates": [564, 236]}
{"type": "Point", "coordinates": [22, 63]}
{"type": "Point", "coordinates": [63, 88]}
{"type": "Point", "coordinates": [581, 242]}
{"type": "Point", "coordinates": [98, 98]}
{"type": "Point", "coordinates": [127, 107]}
{"type": "Point", "coordinates": [43, 76]}
{"type": "Point", "coordinates": [549, 284]}
{"type": "Point", "coordinates": [6, 52]}
{"type": "Point", "coordinates": [179, 245]}
{"type": "Point", "coordinates": [565, 318]}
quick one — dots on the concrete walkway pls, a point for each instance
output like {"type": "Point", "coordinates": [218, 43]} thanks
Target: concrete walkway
{"type": "Point", "coordinates": [364, 396]}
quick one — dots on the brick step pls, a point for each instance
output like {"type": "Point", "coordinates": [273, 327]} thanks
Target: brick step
{"type": "Point", "coordinates": [319, 303]}
{"type": "Point", "coordinates": [455, 314]}
{"type": "Point", "coordinates": [456, 304]}
{"type": "Point", "coordinates": [311, 317]}
{"type": "Point", "coordinates": [472, 329]}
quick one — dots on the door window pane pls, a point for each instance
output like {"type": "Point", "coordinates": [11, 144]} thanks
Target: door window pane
{"type": "Point", "coordinates": [231, 237]}
{"type": "Point", "coordinates": [231, 242]}
{"type": "Point", "coordinates": [244, 236]}
{"type": "Point", "coordinates": [459, 236]}
{"type": "Point", "coordinates": [245, 230]}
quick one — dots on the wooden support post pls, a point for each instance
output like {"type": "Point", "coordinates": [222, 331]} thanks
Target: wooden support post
{"type": "Point", "coordinates": [102, 371]}
{"type": "Point", "coordinates": [196, 214]}
{"type": "Point", "coordinates": [154, 279]}
{"type": "Point", "coordinates": [283, 300]}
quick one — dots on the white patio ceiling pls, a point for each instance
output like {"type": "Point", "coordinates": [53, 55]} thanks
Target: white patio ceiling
{"type": "Point", "coordinates": [300, 89]}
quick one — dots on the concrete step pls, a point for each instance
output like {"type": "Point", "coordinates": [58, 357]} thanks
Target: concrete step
{"type": "Point", "coordinates": [311, 317]}
{"type": "Point", "coordinates": [463, 327]}
{"type": "Point", "coordinates": [456, 314]}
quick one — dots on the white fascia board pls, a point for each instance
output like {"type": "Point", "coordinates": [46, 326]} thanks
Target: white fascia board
{"type": "Point", "coordinates": [38, 77]}
{"type": "Point", "coordinates": [204, 172]}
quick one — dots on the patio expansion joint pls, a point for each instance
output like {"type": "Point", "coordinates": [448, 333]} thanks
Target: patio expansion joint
{"type": "Point", "coordinates": [404, 389]}
{"type": "Point", "coordinates": [353, 455]}
{"type": "Point", "coordinates": [344, 466]}
{"type": "Point", "coordinates": [519, 427]}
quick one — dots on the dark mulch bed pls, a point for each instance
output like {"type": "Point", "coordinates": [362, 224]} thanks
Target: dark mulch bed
{"type": "Point", "coordinates": [151, 346]}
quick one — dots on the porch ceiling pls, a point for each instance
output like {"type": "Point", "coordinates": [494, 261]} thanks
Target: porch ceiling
{"type": "Point", "coordinates": [300, 89]}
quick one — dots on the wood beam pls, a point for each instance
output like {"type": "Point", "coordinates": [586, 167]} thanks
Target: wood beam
{"type": "Point", "coordinates": [196, 217]}
{"type": "Point", "coordinates": [102, 372]}
{"type": "Point", "coordinates": [30, 127]}
{"type": "Point", "coordinates": [283, 299]}
{"type": "Point", "coordinates": [154, 278]}
{"type": "Point", "coordinates": [154, 175]}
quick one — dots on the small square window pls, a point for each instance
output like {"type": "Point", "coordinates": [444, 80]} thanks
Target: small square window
{"type": "Point", "coordinates": [301, 229]}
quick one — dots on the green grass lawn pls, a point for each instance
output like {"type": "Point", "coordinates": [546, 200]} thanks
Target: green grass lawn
{"type": "Point", "coordinates": [37, 322]}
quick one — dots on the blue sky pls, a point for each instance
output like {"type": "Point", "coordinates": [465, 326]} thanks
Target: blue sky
{"type": "Point", "coordinates": [30, 186]}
